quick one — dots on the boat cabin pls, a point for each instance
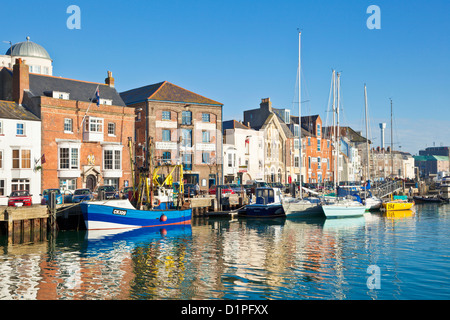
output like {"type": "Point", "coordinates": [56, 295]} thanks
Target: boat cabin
{"type": "Point", "coordinates": [268, 195]}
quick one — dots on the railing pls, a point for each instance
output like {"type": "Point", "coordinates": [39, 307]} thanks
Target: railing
{"type": "Point", "coordinates": [387, 188]}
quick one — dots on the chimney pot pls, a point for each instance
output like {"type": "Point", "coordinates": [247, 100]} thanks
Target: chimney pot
{"type": "Point", "coordinates": [109, 80]}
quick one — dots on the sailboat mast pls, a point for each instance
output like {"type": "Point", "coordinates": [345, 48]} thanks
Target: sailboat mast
{"type": "Point", "coordinates": [392, 145]}
{"type": "Point", "coordinates": [338, 85]}
{"type": "Point", "coordinates": [300, 113]}
{"type": "Point", "coordinates": [367, 133]}
{"type": "Point", "coordinates": [333, 83]}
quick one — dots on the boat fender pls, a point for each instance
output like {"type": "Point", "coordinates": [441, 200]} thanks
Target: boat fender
{"type": "Point", "coordinates": [156, 203]}
{"type": "Point", "coordinates": [163, 218]}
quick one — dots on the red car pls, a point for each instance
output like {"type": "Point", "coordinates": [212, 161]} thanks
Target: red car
{"type": "Point", "coordinates": [225, 189]}
{"type": "Point", "coordinates": [19, 198]}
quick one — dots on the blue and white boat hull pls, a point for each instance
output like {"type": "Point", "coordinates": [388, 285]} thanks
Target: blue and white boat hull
{"type": "Point", "coordinates": [120, 214]}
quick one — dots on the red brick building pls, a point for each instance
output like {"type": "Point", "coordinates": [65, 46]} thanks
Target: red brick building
{"type": "Point", "coordinates": [84, 139]}
{"type": "Point", "coordinates": [184, 128]}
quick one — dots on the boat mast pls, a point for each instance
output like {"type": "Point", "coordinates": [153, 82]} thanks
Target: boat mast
{"type": "Point", "coordinates": [333, 84]}
{"type": "Point", "coordinates": [300, 114]}
{"type": "Point", "coordinates": [338, 85]}
{"type": "Point", "coordinates": [367, 134]}
{"type": "Point", "coordinates": [392, 146]}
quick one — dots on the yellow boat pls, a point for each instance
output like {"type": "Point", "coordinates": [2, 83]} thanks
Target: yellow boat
{"type": "Point", "coordinates": [396, 205]}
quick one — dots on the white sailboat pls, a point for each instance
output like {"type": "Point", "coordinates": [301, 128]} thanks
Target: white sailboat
{"type": "Point", "coordinates": [342, 207]}
{"type": "Point", "coordinates": [299, 207]}
{"type": "Point", "coordinates": [371, 202]}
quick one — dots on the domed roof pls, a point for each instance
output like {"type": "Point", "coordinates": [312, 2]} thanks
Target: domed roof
{"type": "Point", "coordinates": [28, 49]}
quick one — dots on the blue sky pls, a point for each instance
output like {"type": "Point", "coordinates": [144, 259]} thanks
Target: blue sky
{"type": "Point", "coordinates": [238, 52]}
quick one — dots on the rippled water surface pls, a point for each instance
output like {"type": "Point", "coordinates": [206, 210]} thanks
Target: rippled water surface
{"type": "Point", "coordinates": [241, 259]}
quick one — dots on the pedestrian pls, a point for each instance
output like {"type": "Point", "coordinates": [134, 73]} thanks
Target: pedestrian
{"type": "Point", "coordinates": [197, 189]}
{"type": "Point", "coordinates": [410, 191]}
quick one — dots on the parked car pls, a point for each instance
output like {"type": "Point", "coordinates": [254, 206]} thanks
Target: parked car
{"type": "Point", "coordinates": [255, 184]}
{"type": "Point", "coordinates": [19, 198]}
{"type": "Point", "coordinates": [236, 188]}
{"type": "Point", "coordinates": [225, 189]}
{"type": "Point", "coordinates": [46, 194]}
{"type": "Point", "coordinates": [189, 190]}
{"type": "Point", "coordinates": [124, 192]}
{"type": "Point", "coordinates": [110, 192]}
{"type": "Point", "coordinates": [82, 195]}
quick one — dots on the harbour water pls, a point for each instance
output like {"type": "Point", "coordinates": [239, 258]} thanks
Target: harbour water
{"type": "Point", "coordinates": [405, 256]}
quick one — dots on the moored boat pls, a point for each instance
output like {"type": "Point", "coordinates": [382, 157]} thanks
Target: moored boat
{"type": "Point", "coordinates": [268, 204]}
{"type": "Point", "coordinates": [302, 208]}
{"type": "Point", "coordinates": [396, 205]}
{"type": "Point", "coordinates": [120, 214]}
{"type": "Point", "coordinates": [344, 209]}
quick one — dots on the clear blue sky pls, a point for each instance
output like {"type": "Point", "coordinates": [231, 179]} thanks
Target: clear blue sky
{"type": "Point", "coordinates": [238, 52]}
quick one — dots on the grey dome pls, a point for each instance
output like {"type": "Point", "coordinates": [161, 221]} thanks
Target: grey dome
{"type": "Point", "coordinates": [28, 49]}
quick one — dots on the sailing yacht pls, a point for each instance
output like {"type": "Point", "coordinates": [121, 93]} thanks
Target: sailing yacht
{"type": "Point", "coordinates": [341, 207]}
{"type": "Point", "coordinates": [299, 207]}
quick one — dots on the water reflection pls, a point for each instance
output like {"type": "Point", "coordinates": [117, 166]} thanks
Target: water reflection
{"type": "Point", "coordinates": [232, 259]}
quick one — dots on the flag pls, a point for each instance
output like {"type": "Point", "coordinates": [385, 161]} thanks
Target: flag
{"type": "Point", "coordinates": [97, 95]}
{"type": "Point", "coordinates": [43, 159]}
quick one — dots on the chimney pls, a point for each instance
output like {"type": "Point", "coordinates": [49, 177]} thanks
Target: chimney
{"type": "Point", "coordinates": [110, 80]}
{"type": "Point", "coordinates": [266, 104]}
{"type": "Point", "coordinates": [21, 80]}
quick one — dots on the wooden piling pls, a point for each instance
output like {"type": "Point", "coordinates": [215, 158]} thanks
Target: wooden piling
{"type": "Point", "coordinates": [24, 224]}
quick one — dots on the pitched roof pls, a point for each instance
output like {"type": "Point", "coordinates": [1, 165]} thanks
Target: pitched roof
{"type": "Point", "coordinates": [11, 110]}
{"type": "Point", "coordinates": [233, 124]}
{"type": "Point", "coordinates": [165, 91]}
{"type": "Point", "coordinates": [43, 85]}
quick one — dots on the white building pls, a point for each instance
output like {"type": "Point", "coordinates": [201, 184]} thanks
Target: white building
{"type": "Point", "coordinates": [20, 151]}
{"type": "Point", "coordinates": [36, 57]}
{"type": "Point", "coordinates": [243, 153]}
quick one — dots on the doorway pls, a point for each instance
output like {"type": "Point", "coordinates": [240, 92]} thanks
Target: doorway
{"type": "Point", "coordinates": [91, 182]}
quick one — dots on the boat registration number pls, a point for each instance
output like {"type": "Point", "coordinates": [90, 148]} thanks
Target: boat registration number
{"type": "Point", "coordinates": [119, 212]}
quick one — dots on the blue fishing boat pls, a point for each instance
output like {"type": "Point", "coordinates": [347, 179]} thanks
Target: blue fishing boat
{"type": "Point", "coordinates": [120, 214]}
{"type": "Point", "coordinates": [267, 205]}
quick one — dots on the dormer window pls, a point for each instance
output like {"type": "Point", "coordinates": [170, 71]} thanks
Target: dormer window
{"type": "Point", "coordinates": [107, 102]}
{"type": "Point", "coordinates": [60, 95]}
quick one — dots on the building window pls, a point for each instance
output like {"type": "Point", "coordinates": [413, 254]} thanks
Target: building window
{"type": "Point", "coordinates": [21, 159]}
{"type": "Point", "coordinates": [1, 159]}
{"type": "Point", "coordinates": [205, 157]}
{"type": "Point", "coordinates": [111, 129]}
{"type": "Point", "coordinates": [20, 184]}
{"type": "Point", "coordinates": [166, 115]}
{"type": "Point", "coordinates": [296, 144]}
{"type": "Point", "coordinates": [46, 70]}
{"type": "Point", "coordinates": [309, 141]}
{"type": "Point", "coordinates": [186, 135]}
{"type": "Point", "coordinates": [296, 161]}
{"type": "Point", "coordinates": [186, 160]}
{"type": "Point", "coordinates": [318, 130]}
{"type": "Point", "coordinates": [20, 129]}
{"type": "Point", "coordinates": [166, 135]}
{"type": "Point", "coordinates": [112, 182]}
{"type": "Point", "coordinates": [205, 136]}
{"type": "Point", "coordinates": [309, 162]}
{"type": "Point", "coordinates": [319, 164]}
{"type": "Point", "coordinates": [206, 117]}
{"type": "Point", "coordinates": [138, 116]}
{"type": "Point", "coordinates": [94, 124]}
{"type": "Point", "coordinates": [230, 160]}
{"type": "Point", "coordinates": [68, 125]}
{"type": "Point", "coordinates": [296, 130]}
{"type": "Point", "coordinates": [318, 144]}
{"type": "Point", "coordinates": [68, 184]}
{"type": "Point", "coordinates": [68, 158]}
{"type": "Point", "coordinates": [2, 187]}
{"type": "Point", "coordinates": [107, 102]}
{"type": "Point", "coordinates": [112, 159]}
{"type": "Point", "coordinates": [186, 117]}
{"type": "Point", "coordinates": [167, 156]}
{"type": "Point", "coordinates": [328, 144]}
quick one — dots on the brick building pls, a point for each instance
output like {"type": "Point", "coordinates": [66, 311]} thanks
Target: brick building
{"type": "Point", "coordinates": [84, 144]}
{"type": "Point", "coordinates": [182, 126]}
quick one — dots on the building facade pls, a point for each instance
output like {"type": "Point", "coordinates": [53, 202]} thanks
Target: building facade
{"type": "Point", "coordinates": [177, 126]}
{"type": "Point", "coordinates": [20, 151]}
{"type": "Point", "coordinates": [83, 138]}
{"type": "Point", "coordinates": [244, 158]}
